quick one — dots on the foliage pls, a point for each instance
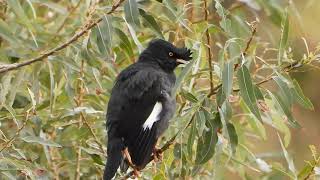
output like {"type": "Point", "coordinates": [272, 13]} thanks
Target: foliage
{"type": "Point", "coordinates": [52, 111]}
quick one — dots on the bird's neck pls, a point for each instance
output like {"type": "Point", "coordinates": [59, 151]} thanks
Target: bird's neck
{"type": "Point", "coordinates": [146, 57]}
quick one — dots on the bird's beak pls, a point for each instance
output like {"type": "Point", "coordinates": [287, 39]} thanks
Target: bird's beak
{"type": "Point", "coordinates": [184, 55]}
{"type": "Point", "coordinates": [182, 61]}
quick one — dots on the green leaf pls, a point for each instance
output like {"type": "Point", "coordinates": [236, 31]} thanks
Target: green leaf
{"type": "Point", "coordinates": [284, 91]}
{"type": "Point", "coordinates": [287, 157]}
{"type": "Point", "coordinates": [97, 159]}
{"type": "Point", "coordinates": [201, 122]}
{"type": "Point", "coordinates": [132, 13]}
{"type": "Point", "coordinates": [307, 169]}
{"type": "Point", "coordinates": [287, 111]}
{"type": "Point", "coordinates": [124, 42]}
{"type": "Point", "coordinates": [151, 22]}
{"type": "Point", "coordinates": [257, 127]}
{"type": "Point", "coordinates": [104, 35]}
{"type": "Point", "coordinates": [134, 36]}
{"type": "Point", "coordinates": [18, 10]}
{"type": "Point", "coordinates": [299, 96]}
{"type": "Point", "coordinates": [247, 90]}
{"type": "Point", "coordinates": [45, 142]}
{"type": "Point", "coordinates": [52, 86]}
{"type": "Point", "coordinates": [186, 70]}
{"type": "Point", "coordinates": [54, 6]}
{"type": "Point", "coordinates": [227, 78]}
{"type": "Point", "coordinates": [191, 138]}
{"type": "Point", "coordinates": [258, 92]}
{"type": "Point", "coordinates": [33, 100]}
{"type": "Point", "coordinates": [207, 142]}
{"type": "Point", "coordinates": [228, 129]}
{"type": "Point", "coordinates": [6, 33]}
{"type": "Point", "coordinates": [284, 36]}
{"type": "Point", "coordinates": [190, 97]}
{"type": "Point", "coordinates": [225, 23]}
{"type": "Point", "coordinates": [233, 137]}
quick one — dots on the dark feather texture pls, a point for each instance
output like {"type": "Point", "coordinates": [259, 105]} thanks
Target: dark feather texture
{"type": "Point", "coordinates": [136, 91]}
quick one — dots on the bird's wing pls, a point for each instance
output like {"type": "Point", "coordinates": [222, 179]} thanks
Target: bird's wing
{"type": "Point", "coordinates": [142, 113]}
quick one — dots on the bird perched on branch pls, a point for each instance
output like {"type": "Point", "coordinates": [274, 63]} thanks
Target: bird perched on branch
{"type": "Point", "coordinates": [141, 106]}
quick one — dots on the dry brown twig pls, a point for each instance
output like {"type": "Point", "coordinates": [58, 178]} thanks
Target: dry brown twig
{"type": "Point", "coordinates": [8, 143]}
{"type": "Point", "coordinates": [88, 25]}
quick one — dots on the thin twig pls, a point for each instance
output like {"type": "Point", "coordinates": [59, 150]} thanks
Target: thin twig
{"type": "Point", "coordinates": [88, 25]}
{"type": "Point", "coordinates": [8, 143]}
{"type": "Point", "coordinates": [92, 133]}
{"type": "Point", "coordinates": [71, 11]}
{"type": "Point", "coordinates": [78, 163]}
{"type": "Point", "coordinates": [243, 54]}
{"type": "Point", "coordinates": [208, 46]}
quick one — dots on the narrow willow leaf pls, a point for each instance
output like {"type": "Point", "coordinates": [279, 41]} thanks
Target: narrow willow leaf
{"type": "Point", "coordinates": [207, 142]}
{"type": "Point", "coordinates": [104, 35]}
{"type": "Point", "coordinates": [225, 23]}
{"type": "Point", "coordinates": [257, 127]}
{"type": "Point", "coordinates": [12, 113]}
{"type": "Point", "coordinates": [18, 10]}
{"type": "Point", "coordinates": [307, 170]}
{"type": "Point", "coordinates": [52, 83]}
{"type": "Point", "coordinates": [132, 13]}
{"type": "Point", "coordinates": [284, 36]}
{"type": "Point", "coordinates": [233, 137]}
{"type": "Point", "coordinates": [221, 97]}
{"type": "Point", "coordinates": [54, 6]}
{"type": "Point", "coordinates": [247, 91]}
{"type": "Point", "coordinates": [5, 87]}
{"type": "Point", "coordinates": [6, 33]}
{"type": "Point", "coordinates": [227, 78]}
{"type": "Point", "coordinates": [201, 122]}
{"type": "Point", "coordinates": [151, 22]}
{"type": "Point", "coordinates": [33, 100]}
{"type": "Point", "coordinates": [288, 157]}
{"type": "Point", "coordinates": [186, 70]}
{"type": "Point", "coordinates": [258, 92]}
{"type": "Point", "coordinates": [299, 96]}
{"type": "Point", "coordinates": [228, 129]}
{"type": "Point", "coordinates": [191, 138]}
{"type": "Point", "coordinates": [287, 111]}
{"type": "Point", "coordinates": [175, 15]}
{"type": "Point", "coordinates": [134, 37]}
{"type": "Point", "coordinates": [34, 139]}
{"type": "Point", "coordinates": [97, 159]}
{"type": "Point", "coordinates": [125, 42]}
{"type": "Point", "coordinates": [284, 91]}
{"type": "Point", "coordinates": [189, 96]}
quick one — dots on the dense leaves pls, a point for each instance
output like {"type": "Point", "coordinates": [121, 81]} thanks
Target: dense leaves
{"type": "Point", "coordinates": [52, 112]}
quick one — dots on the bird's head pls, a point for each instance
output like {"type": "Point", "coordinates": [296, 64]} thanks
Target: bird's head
{"type": "Point", "coordinates": [168, 55]}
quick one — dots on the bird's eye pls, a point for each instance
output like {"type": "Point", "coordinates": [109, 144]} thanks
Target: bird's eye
{"type": "Point", "coordinates": [170, 54]}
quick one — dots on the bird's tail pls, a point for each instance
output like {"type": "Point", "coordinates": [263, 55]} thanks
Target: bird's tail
{"type": "Point", "coordinates": [115, 147]}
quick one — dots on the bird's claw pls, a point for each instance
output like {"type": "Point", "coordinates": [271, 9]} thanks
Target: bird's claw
{"type": "Point", "coordinates": [136, 172]}
{"type": "Point", "coordinates": [157, 155]}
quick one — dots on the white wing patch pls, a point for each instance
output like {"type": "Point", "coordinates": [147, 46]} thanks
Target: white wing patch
{"type": "Point", "coordinates": [153, 117]}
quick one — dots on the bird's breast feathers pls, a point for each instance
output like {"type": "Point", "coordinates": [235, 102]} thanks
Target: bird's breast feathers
{"type": "Point", "coordinates": [154, 116]}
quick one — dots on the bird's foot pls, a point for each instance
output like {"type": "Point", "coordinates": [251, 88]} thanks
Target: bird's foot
{"type": "Point", "coordinates": [136, 172]}
{"type": "Point", "coordinates": [157, 155]}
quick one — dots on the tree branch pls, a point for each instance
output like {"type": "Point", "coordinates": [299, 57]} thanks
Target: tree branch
{"type": "Point", "coordinates": [88, 25]}
{"type": "Point", "coordinates": [8, 143]}
{"type": "Point", "coordinates": [243, 54]}
{"type": "Point", "coordinates": [209, 46]}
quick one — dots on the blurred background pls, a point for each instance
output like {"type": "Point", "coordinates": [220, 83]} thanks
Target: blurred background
{"type": "Point", "coordinates": [52, 113]}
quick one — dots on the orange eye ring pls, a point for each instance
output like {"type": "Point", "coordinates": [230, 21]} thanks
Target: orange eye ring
{"type": "Point", "coordinates": [170, 54]}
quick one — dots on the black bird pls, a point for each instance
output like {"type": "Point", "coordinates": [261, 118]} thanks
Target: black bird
{"type": "Point", "coordinates": [141, 106]}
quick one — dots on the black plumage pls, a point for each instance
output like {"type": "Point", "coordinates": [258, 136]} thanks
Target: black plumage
{"type": "Point", "coordinates": [142, 89]}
